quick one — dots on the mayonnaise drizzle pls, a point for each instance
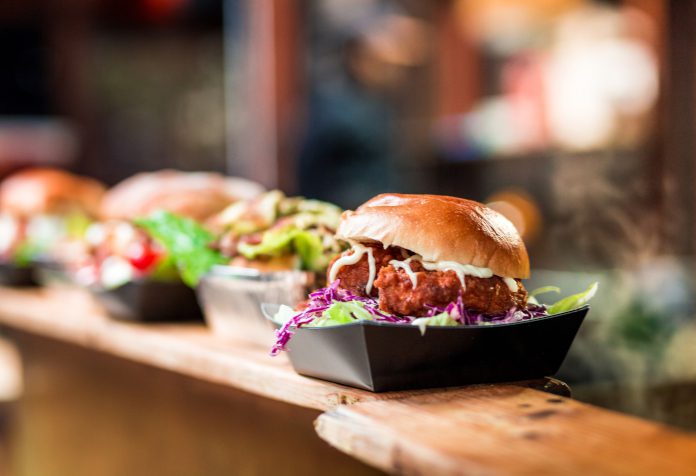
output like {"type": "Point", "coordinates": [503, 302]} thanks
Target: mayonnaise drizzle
{"type": "Point", "coordinates": [461, 270]}
{"type": "Point", "coordinates": [406, 266]}
{"type": "Point", "coordinates": [511, 284]}
{"type": "Point", "coordinates": [350, 259]}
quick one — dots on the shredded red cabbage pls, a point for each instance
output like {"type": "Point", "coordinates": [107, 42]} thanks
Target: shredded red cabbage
{"type": "Point", "coordinates": [321, 299]}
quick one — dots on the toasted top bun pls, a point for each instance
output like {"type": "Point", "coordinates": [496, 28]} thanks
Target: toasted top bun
{"type": "Point", "coordinates": [49, 191]}
{"type": "Point", "coordinates": [440, 228]}
{"type": "Point", "coordinates": [197, 195]}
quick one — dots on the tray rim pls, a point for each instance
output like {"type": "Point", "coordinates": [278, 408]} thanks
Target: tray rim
{"type": "Point", "coordinates": [583, 309]}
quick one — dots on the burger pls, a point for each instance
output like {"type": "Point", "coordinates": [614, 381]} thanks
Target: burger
{"type": "Point", "coordinates": [423, 260]}
{"type": "Point", "coordinates": [274, 233]}
{"type": "Point", "coordinates": [151, 227]}
{"type": "Point", "coordinates": [41, 208]}
{"type": "Point", "coordinates": [196, 195]}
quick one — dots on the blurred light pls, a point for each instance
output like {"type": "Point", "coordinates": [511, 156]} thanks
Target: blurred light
{"type": "Point", "coordinates": [36, 141]}
{"type": "Point", "coordinates": [384, 51]}
{"type": "Point", "coordinates": [597, 78]}
{"type": "Point", "coordinates": [521, 209]}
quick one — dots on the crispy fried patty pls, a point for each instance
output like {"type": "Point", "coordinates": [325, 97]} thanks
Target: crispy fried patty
{"type": "Point", "coordinates": [354, 277]}
{"type": "Point", "coordinates": [439, 288]}
{"type": "Point", "coordinates": [434, 288]}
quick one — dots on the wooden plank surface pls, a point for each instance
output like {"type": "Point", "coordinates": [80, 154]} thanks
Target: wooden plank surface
{"type": "Point", "coordinates": [71, 315]}
{"type": "Point", "coordinates": [484, 429]}
{"type": "Point", "coordinates": [504, 430]}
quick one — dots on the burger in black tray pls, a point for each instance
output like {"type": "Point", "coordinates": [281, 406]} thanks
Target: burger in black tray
{"type": "Point", "coordinates": [41, 211]}
{"type": "Point", "coordinates": [429, 294]}
{"type": "Point", "coordinates": [150, 247]}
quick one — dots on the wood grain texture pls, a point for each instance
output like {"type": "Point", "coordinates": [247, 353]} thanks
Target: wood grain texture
{"type": "Point", "coordinates": [86, 413]}
{"type": "Point", "coordinates": [71, 315]}
{"type": "Point", "coordinates": [503, 430]}
{"type": "Point", "coordinates": [481, 429]}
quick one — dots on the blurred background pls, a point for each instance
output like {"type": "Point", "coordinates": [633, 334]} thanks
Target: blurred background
{"type": "Point", "coordinates": [574, 118]}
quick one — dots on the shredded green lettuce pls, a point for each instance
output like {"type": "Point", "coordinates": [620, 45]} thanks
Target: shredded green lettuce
{"type": "Point", "coordinates": [185, 241]}
{"type": "Point", "coordinates": [339, 313]}
{"type": "Point", "coordinates": [574, 301]}
{"type": "Point", "coordinates": [343, 313]}
{"type": "Point", "coordinates": [442, 319]}
{"type": "Point", "coordinates": [288, 240]}
{"type": "Point", "coordinates": [284, 314]}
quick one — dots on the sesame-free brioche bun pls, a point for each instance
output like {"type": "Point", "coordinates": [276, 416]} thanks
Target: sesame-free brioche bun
{"type": "Point", "coordinates": [49, 191]}
{"type": "Point", "coordinates": [440, 228]}
{"type": "Point", "coordinates": [196, 195]}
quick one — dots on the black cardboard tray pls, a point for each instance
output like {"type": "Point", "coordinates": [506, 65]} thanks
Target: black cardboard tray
{"type": "Point", "coordinates": [382, 356]}
{"type": "Point", "coordinates": [151, 301]}
{"type": "Point", "coordinates": [16, 276]}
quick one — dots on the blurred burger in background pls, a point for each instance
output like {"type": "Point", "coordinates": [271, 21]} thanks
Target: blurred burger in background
{"type": "Point", "coordinates": [42, 208]}
{"type": "Point", "coordinates": [272, 249]}
{"type": "Point", "coordinates": [277, 233]}
{"type": "Point", "coordinates": [150, 227]}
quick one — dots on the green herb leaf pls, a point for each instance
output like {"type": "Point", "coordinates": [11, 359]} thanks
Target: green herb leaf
{"type": "Point", "coordinates": [575, 301]}
{"type": "Point", "coordinates": [343, 313]}
{"type": "Point", "coordinates": [25, 253]}
{"type": "Point", "coordinates": [288, 240]}
{"type": "Point", "coordinates": [442, 319]}
{"type": "Point", "coordinates": [544, 290]}
{"type": "Point", "coordinates": [187, 242]}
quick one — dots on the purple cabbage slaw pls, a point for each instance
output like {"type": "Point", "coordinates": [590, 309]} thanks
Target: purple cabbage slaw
{"type": "Point", "coordinates": [322, 299]}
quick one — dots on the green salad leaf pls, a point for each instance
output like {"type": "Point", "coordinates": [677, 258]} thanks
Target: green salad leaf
{"type": "Point", "coordinates": [288, 240]}
{"type": "Point", "coordinates": [343, 313]}
{"type": "Point", "coordinates": [338, 313]}
{"type": "Point", "coordinates": [76, 225]}
{"type": "Point", "coordinates": [25, 253]}
{"type": "Point", "coordinates": [544, 290]}
{"type": "Point", "coordinates": [574, 301]}
{"type": "Point", "coordinates": [185, 241]}
{"type": "Point", "coordinates": [442, 319]}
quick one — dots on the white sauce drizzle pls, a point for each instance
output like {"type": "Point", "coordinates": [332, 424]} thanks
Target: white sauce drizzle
{"type": "Point", "coordinates": [350, 259]}
{"type": "Point", "coordinates": [406, 266]}
{"type": "Point", "coordinates": [511, 284]}
{"type": "Point", "coordinates": [461, 270]}
{"type": "Point", "coordinates": [373, 271]}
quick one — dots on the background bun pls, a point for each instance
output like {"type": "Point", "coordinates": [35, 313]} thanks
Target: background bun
{"type": "Point", "coordinates": [197, 195]}
{"type": "Point", "coordinates": [45, 190]}
{"type": "Point", "coordinates": [440, 228]}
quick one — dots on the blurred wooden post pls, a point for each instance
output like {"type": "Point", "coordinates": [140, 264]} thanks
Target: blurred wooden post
{"type": "Point", "coordinates": [274, 68]}
{"type": "Point", "coordinates": [679, 128]}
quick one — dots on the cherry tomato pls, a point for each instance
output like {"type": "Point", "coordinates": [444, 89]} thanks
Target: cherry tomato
{"type": "Point", "coordinates": [142, 256]}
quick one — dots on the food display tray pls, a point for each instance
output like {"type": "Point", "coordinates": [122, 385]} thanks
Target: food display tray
{"type": "Point", "coordinates": [381, 356]}
{"type": "Point", "coordinates": [16, 276]}
{"type": "Point", "coordinates": [150, 301]}
{"type": "Point", "coordinates": [231, 298]}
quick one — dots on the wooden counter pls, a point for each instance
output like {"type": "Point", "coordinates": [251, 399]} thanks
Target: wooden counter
{"type": "Point", "coordinates": [486, 429]}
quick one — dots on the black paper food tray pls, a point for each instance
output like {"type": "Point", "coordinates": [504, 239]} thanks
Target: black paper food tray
{"type": "Point", "coordinates": [150, 301]}
{"type": "Point", "coordinates": [380, 356]}
{"type": "Point", "coordinates": [51, 273]}
{"type": "Point", "coordinates": [16, 276]}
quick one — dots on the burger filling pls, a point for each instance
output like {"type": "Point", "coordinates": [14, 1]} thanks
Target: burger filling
{"type": "Point", "coordinates": [275, 233]}
{"type": "Point", "coordinates": [393, 285]}
{"type": "Point", "coordinates": [405, 285]}
{"type": "Point", "coordinates": [26, 239]}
